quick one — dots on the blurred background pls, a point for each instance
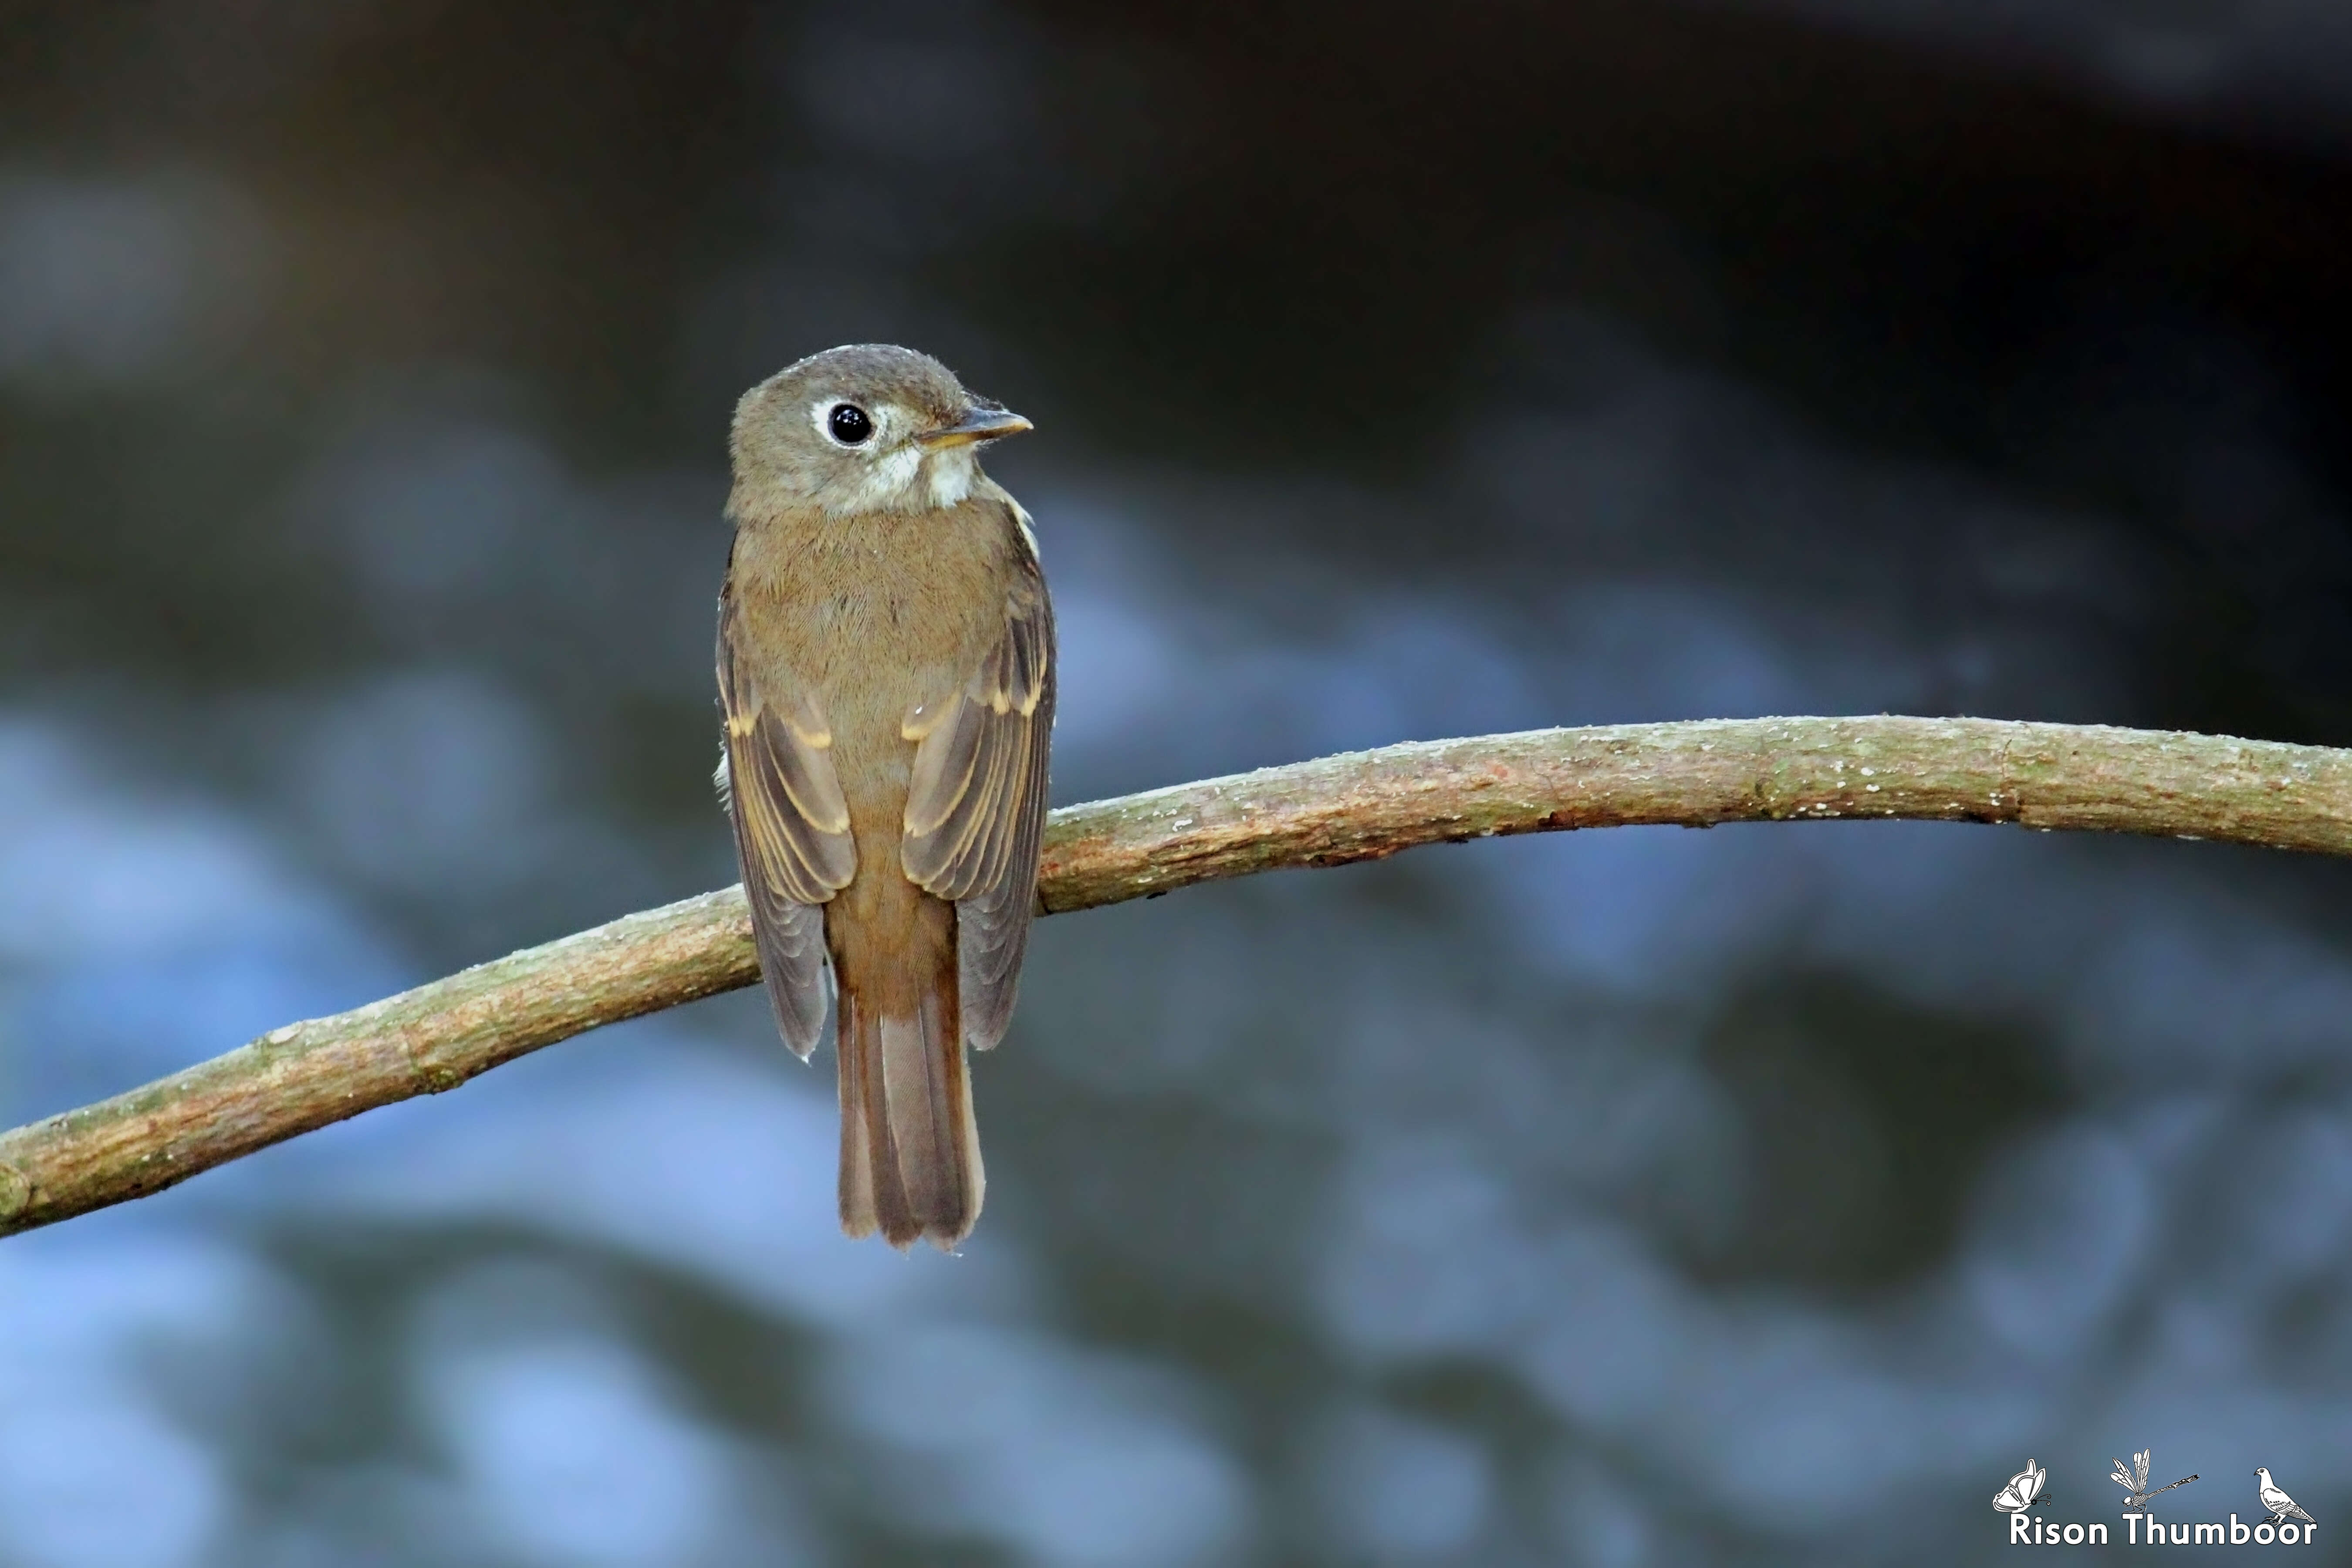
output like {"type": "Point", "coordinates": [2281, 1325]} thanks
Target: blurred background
{"type": "Point", "coordinates": [1762, 1195]}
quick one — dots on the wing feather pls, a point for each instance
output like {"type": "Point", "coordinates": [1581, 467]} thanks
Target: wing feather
{"type": "Point", "coordinates": [942, 779]}
{"type": "Point", "coordinates": [976, 802]}
{"type": "Point", "coordinates": [792, 831]}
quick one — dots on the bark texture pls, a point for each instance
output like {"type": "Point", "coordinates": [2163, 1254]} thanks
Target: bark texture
{"type": "Point", "coordinates": [1358, 807]}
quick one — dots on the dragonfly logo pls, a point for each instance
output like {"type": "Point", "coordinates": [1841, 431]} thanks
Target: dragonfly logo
{"type": "Point", "coordinates": [2133, 1478]}
{"type": "Point", "coordinates": [2280, 1521]}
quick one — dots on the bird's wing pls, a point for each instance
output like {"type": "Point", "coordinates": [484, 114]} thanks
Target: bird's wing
{"type": "Point", "coordinates": [976, 801]}
{"type": "Point", "coordinates": [791, 828]}
{"type": "Point", "coordinates": [2287, 1505]}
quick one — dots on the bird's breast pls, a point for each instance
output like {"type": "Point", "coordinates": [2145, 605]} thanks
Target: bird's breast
{"type": "Point", "coordinates": [874, 617]}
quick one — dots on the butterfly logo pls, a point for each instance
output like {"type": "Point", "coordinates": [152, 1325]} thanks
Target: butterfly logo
{"type": "Point", "coordinates": [2023, 1490]}
{"type": "Point", "coordinates": [2133, 1478]}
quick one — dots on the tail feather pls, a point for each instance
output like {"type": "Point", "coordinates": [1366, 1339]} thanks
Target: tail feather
{"type": "Point", "coordinates": [910, 1165]}
{"type": "Point", "coordinates": [857, 1210]}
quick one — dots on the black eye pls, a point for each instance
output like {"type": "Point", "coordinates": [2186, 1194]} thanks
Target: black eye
{"type": "Point", "coordinates": [849, 423]}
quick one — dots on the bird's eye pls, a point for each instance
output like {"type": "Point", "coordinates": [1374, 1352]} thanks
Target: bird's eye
{"type": "Point", "coordinates": [851, 426]}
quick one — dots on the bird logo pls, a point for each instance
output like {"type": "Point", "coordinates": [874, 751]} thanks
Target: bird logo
{"type": "Point", "coordinates": [2281, 1507]}
{"type": "Point", "coordinates": [2023, 1490]}
{"type": "Point", "coordinates": [2133, 1478]}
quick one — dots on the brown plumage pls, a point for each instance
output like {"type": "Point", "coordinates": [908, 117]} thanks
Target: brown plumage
{"type": "Point", "coordinates": [886, 667]}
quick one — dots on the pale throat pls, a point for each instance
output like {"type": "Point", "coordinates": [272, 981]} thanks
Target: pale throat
{"type": "Point", "coordinates": [910, 479]}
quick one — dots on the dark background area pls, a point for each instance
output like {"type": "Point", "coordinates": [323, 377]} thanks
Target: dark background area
{"type": "Point", "coordinates": [1766, 1195]}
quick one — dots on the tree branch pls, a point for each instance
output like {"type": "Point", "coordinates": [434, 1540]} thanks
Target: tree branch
{"type": "Point", "coordinates": [1359, 806]}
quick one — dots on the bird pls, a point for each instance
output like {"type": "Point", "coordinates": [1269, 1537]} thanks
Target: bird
{"type": "Point", "coordinates": [887, 672]}
{"type": "Point", "coordinates": [2023, 1490]}
{"type": "Point", "coordinates": [2280, 1505]}
{"type": "Point", "coordinates": [2133, 1478]}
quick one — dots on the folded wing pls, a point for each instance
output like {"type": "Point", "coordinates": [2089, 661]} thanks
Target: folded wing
{"type": "Point", "coordinates": [976, 805]}
{"type": "Point", "coordinates": [791, 829]}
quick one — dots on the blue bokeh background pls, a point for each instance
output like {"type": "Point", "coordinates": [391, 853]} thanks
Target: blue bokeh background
{"type": "Point", "coordinates": [1764, 1195]}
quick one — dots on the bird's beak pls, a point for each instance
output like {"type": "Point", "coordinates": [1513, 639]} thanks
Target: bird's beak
{"type": "Point", "coordinates": [977, 425]}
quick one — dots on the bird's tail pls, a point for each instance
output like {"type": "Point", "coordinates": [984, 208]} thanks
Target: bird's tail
{"type": "Point", "coordinates": [909, 1147]}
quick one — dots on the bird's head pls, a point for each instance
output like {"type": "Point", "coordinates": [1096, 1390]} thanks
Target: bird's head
{"type": "Point", "coordinates": [867, 427]}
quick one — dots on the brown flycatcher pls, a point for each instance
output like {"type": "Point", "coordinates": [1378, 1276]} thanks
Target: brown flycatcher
{"type": "Point", "coordinates": [886, 666]}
